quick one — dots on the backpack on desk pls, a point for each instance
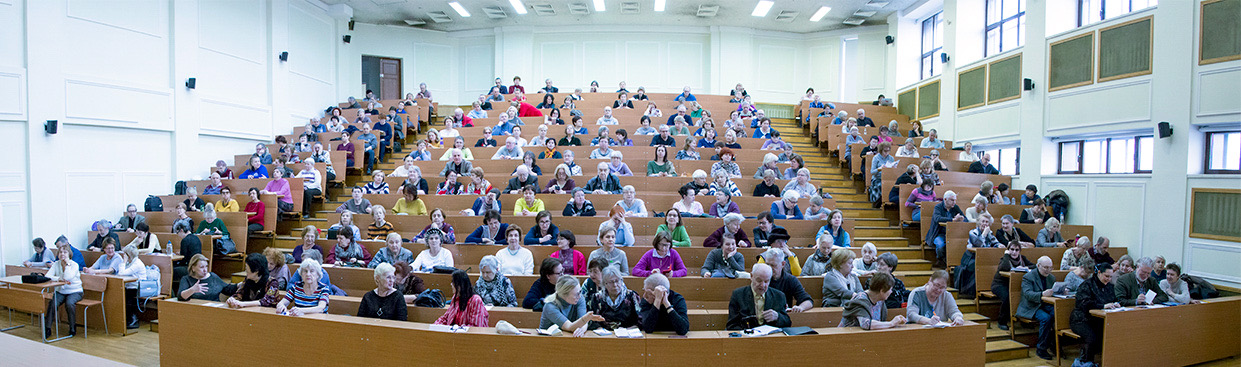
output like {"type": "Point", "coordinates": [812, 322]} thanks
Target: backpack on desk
{"type": "Point", "coordinates": [153, 204]}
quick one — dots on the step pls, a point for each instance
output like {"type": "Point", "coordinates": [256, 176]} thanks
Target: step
{"type": "Point", "coordinates": [1005, 350]}
{"type": "Point", "coordinates": [881, 241]}
{"type": "Point", "coordinates": [914, 278]}
{"type": "Point", "coordinates": [883, 231]}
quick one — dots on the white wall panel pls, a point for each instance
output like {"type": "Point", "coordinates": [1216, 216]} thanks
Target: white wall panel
{"type": "Point", "coordinates": [601, 64]}
{"type": "Point", "coordinates": [685, 66]}
{"type": "Point", "coordinates": [434, 66]}
{"type": "Point", "coordinates": [1216, 260]}
{"type": "Point", "coordinates": [12, 93]}
{"type": "Point", "coordinates": [96, 195]}
{"type": "Point", "coordinates": [559, 61]}
{"type": "Point", "coordinates": [12, 34]}
{"type": "Point", "coordinates": [225, 118]}
{"type": "Point", "coordinates": [1112, 198]}
{"type": "Point", "coordinates": [1219, 93]}
{"type": "Point", "coordinates": [776, 73]}
{"type": "Point", "coordinates": [639, 56]}
{"type": "Point", "coordinates": [823, 71]}
{"type": "Point", "coordinates": [990, 122]}
{"type": "Point", "coordinates": [477, 75]}
{"type": "Point", "coordinates": [108, 104]}
{"type": "Point", "coordinates": [232, 42]}
{"type": "Point", "coordinates": [123, 41]}
{"type": "Point", "coordinates": [1079, 192]}
{"type": "Point", "coordinates": [310, 43]}
{"type": "Point", "coordinates": [1081, 108]}
{"type": "Point", "coordinates": [14, 229]}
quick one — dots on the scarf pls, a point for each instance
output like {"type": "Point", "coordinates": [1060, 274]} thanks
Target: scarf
{"type": "Point", "coordinates": [620, 296]}
{"type": "Point", "coordinates": [352, 251]}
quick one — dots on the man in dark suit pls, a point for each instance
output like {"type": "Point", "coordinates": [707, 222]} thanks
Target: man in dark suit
{"type": "Point", "coordinates": [796, 297]}
{"type": "Point", "coordinates": [743, 304]}
{"type": "Point", "coordinates": [1131, 288]}
{"type": "Point", "coordinates": [1034, 286]}
{"type": "Point", "coordinates": [500, 84]}
{"type": "Point", "coordinates": [983, 165]}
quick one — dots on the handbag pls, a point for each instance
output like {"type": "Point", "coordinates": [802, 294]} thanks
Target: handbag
{"type": "Point", "coordinates": [225, 246]}
{"type": "Point", "coordinates": [150, 286]}
{"type": "Point", "coordinates": [35, 278]}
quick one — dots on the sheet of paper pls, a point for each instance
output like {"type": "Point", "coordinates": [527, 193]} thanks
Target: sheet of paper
{"type": "Point", "coordinates": [1150, 296]}
{"type": "Point", "coordinates": [1119, 309]}
{"type": "Point", "coordinates": [213, 304]}
{"type": "Point", "coordinates": [765, 330]}
{"type": "Point", "coordinates": [438, 327]}
{"type": "Point", "coordinates": [602, 332]}
{"type": "Point", "coordinates": [1021, 269]}
{"type": "Point", "coordinates": [939, 325]}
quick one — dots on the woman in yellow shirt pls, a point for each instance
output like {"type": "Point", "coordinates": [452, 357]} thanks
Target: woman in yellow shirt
{"type": "Point", "coordinates": [410, 204]}
{"type": "Point", "coordinates": [226, 204]}
{"type": "Point", "coordinates": [527, 206]}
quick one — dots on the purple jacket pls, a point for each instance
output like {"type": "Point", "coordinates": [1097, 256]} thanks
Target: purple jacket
{"type": "Point", "coordinates": [917, 195]}
{"type": "Point", "coordinates": [670, 265]}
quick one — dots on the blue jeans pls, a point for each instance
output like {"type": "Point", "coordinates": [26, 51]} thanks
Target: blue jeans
{"type": "Point", "coordinates": [718, 274]}
{"type": "Point", "coordinates": [940, 251]}
{"type": "Point", "coordinates": [917, 216]}
{"type": "Point", "coordinates": [1045, 323]}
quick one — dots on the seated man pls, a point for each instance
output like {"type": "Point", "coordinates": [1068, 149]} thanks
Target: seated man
{"type": "Point", "coordinates": [1034, 286]}
{"type": "Point", "coordinates": [521, 179]}
{"type": "Point", "coordinates": [457, 164]}
{"type": "Point", "coordinates": [1129, 287]}
{"type": "Point", "coordinates": [663, 138]}
{"type": "Point", "coordinates": [731, 229]}
{"type": "Point", "coordinates": [604, 181]}
{"type": "Point", "coordinates": [983, 166]}
{"type": "Point", "coordinates": [796, 297]}
{"type": "Point", "coordinates": [743, 306]}
{"type": "Point", "coordinates": [509, 151]}
{"type": "Point", "coordinates": [661, 309]}
{"type": "Point", "coordinates": [945, 211]}
{"type": "Point", "coordinates": [686, 96]}
{"type": "Point", "coordinates": [132, 218]}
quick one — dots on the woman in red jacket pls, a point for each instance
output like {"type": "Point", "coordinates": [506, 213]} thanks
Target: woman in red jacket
{"type": "Point", "coordinates": [254, 211]}
{"type": "Point", "coordinates": [567, 241]}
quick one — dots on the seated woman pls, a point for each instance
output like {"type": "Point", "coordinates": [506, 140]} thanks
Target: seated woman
{"type": "Point", "coordinates": [1074, 279]}
{"type": "Point", "coordinates": [1076, 256]}
{"type": "Point", "coordinates": [408, 281]}
{"type": "Point", "coordinates": [835, 228]}
{"type": "Point", "coordinates": [633, 206]}
{"type": "Point", "coordinates": [724, 261]}
{"type": "Point", "coordinates": [572, 261]}
{"type": "Point", "coordinates": [624, 229]}
{"type": "Point", "coordinates": [931, 304]}
{"type": "Point", "coordinates": [561, 182]}
{"type": "Point", "coordinates": [514, 258]}
{"type": "Point", "coordinates": [687, 204]}
{"type": "Point", "coordinates": [254, 170]}
{"type": "Point", "coordinates": [193, 202]}
{"type": "Point", "coordinates": [385, 301]}
{"type": "Point", "coordinates": [660, 260]}
{"type": "Point", "coordinates": [260, 288]}
{"type": "Point", "coordinates": [380, 227]}
{"type": "Point", "coordinates": [867, 310]}
{"type": "Point", "coordinates": [226, 203]}
{"type": "Point", "coordinates": [478, 182]}
{"type": "Point", "coordinates": [645, 128]}
{"type": "Point", "coordinates": [977, 210]}
{"type": "Point", "coordinates": [839, 283]}
{"type": "Point", "coordinates": [211, 224]}
{"type": "Point", "coordinates": [660, 166]}
{"type": "Point", "coordinates": [528, 205]}
{"type": "Point", "coordinates": [687, 153]}
{"type": "Point", "coordinates": [450, 186]}
{"type": "Point", "coordinates": [434, 255]}
{"type": "Point", "coordinates": [68, 271]}
{"type": "Point", "coordinates": [459, 144]}
{"type": "Point", "coordinates": [722, 183]}
{"type": "Point", "coordinates": [549, 151]}
{"type": "Point", "coordinates": [492, 231]}
{"type": "Point", "coordinates": [566, 309]}
{"type": "Point", "coordinates": [347, 252]}
{"type": "Point", "coordinates": [44, 255]}
{"type": "Point", "coordinates": [615, 303]}
{"type": "Point", "coordinates": [622, 138]}
{"type": "Point", "coordinates": [767, 188]}
{"type": "Point", "coordinates": [346, 221]}
{"type": "Point", "coordinates": [132, 267]}
{"type": "Point", "coordinates": [675, 228]}
{"type": "Point", "coordinates": [108, 263]}
{"type": "Point", "coordinates": [1096, 294]}
{"type": "Point", "coordinates": [816, 211]}
{"type": "Point", "coordinates": [409, 203]}
{"type": "Point", "coordinates": [802, 184]}
{"type": "Point", "coordinates": [1049, 236]}
{"type": "Point", "coordinates": [466, 308]}
{"type": "Point", "coordinates": [1176, 288]}
{"type": "Point", "coordinates": [494, 288]}
{"type": "Point", "coordinates": [528, 160]}
{"type": "Point", "coordinates": [726, 166]}
{"type": "Point", "coordinates": [925, 193]}
{"type": "Point", "coordinates": [392, 253]}
{"type": "Point", "coordinates": [786, 207]}
{"type": "Point", "coordinates": [618, 165]}
{"type": "Point", "coordinates": [549, 271]}
{"type": "Point", "coordinates": [723, 205]}
{"type": "Point", "coordinates": [999, 284]}
{"type": "Point", "coordinates": [607, 250]}
{"type": "Point", "coordinates": [730, 229]}
{"type": "Point", "coordinates": [579, 206]}
{"type": "Point", "coordinates": [819, 262]}
{"type": "Point", "coordinates": [200, 282]}
{"type": "Point", "coordinates": [307, 296]}
{"type": "Point", "coordinates": [356, 203]}
{"type": "Point", "coordinates": [544, 232]}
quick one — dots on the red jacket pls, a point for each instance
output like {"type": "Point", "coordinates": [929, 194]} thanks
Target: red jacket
{"type": "Point", "coordinates": [257, 208]}
{"type": "Point", "coordinates": [527, 110]}
{"type": "Point", "coordinates": [579, 261]}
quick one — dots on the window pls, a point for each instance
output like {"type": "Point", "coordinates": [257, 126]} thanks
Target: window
{"type": "Point", "coordinates": [1008, 161]}
{"type": "Point", "coordinates": [1006, 25]}
{"type": "Point", "coordinates": [932, 45]}
{"type": "Point", "coordinates": [1223, 152]}
{"type": "Point", "coordinates": [1094, 11]}
{"type": "Point", "coordinates": [1130, 154]}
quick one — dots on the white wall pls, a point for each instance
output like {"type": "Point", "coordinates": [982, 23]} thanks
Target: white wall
{"type": "Point", "coordinates": [1132, 210]}
{"type": "Point", "coordinates": [113, 72]}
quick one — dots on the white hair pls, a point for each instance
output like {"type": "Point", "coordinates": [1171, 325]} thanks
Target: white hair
{"type": "Point", "coordinates": [790, 195]}
{"type": "Point", "coordinates": [308, 266]}
{"type": "Point", "coordinates": [617, 154]}
{"type": "Point", "coordinates": [629, 189]}
{"type": "Point", "coordinates": [950, 194]}
{"type": "Point", "coordinates": [733, 218]}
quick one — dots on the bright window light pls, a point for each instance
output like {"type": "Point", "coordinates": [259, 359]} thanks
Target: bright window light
{"type": "Point", "coordinates": [518, 6]}
{"type": "Point", "coordinates": [660, 4]}
{"type": "Point", "coordinates": [760, 10]}
{"type": "Point", "coordinates": [818, 15]}
{"type": "Point", "coordinates": [599, 5]}
{"type": "Point", "coordinates": [460, 9]}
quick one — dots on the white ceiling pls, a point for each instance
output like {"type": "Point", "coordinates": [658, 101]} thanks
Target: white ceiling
{"type": "Point", "coordinates": [486, 14]}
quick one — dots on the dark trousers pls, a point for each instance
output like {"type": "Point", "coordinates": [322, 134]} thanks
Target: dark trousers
{"type": "Point", "coordinates": [307, 196]}
{"type": "Point", "coordinates": [1046, 322]}
{"type": "Point", "coordinates": [131, 303]}
{"type": "Point", "coordinates": [1002, 292]}
{"type": "Point", "coordinates": [252, 227]}
{"type": "Point", "coordinates": [1091, 332]}
{"type": "Point", "coordinates": [71, 309]}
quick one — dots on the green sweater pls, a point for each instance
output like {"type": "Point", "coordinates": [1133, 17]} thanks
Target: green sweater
{"type": "Point", "coordinates": [217, 224]}
{"type": "Point", "coordinates": [680, 238]}
{"type": "Point", "coordinates": [653, 168]}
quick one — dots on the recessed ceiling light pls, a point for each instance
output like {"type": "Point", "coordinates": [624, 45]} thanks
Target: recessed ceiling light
{"type": "Point", "coordinates": [413, 22]}
{"type": "Point", "coordinates": [460, 9]}
{"type": "Point", "coordinates": [517, 6]}
{"type": "Point", "coordinates": [818, 15]}
{"type": "Point", "coordinates": [761, 10]}
{"type": "Point", "coordinates": [599, 5]}
{"type": "Point", "coordinates": [660, 5]}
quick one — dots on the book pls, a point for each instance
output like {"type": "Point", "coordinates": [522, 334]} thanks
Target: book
{"type": "Point", "coordinates": [628, 333]}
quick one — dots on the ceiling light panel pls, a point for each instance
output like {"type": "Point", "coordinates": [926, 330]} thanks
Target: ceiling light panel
{"type": "Point", "coordinates": [456, 6]}
{"type": "Point", "coordinates": [818, 15]}
{"type": "Point", "coordinates": [630, 7]}
{"type": "Point", "coordinates": [495, 12]}
{"type": "Point", "coordinates": [518, 6]}
{"type": "Point", "coordinates": [660, 5]}
{"type": "Point", "coordinates": [543, 9]}
{"type": "Point", "coordinates": [579, 9]}
{"type": "Point", "coordinates": [599, 6]}
{"type": "Point", "coordinates": [787, 16]}
{"type": "Point", "coordinates": [439, 16]}
{"type": "Point", "coordinates": [854, 21]}
{"type": "Point", "coordinates": [762, 8]}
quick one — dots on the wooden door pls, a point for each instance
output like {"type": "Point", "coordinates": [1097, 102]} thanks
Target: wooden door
{"type": "Point", "coordinates": [390, 79]}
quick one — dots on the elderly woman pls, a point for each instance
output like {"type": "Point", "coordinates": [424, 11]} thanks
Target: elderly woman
{"type": "Point", "coordinates": [818, 262]}
{"type": "Point", "coordinates": [447, 234]}
{"type": "Point", "coordinates": [566, 309]}
{"type": "Point", "coordinates": [1098, 293]}
{"type": "Point", "coordinates": [618, 165]}
{"type": "Point", "coordinates": [1049, 236]}
{"type": "Point", "coordinates": [561, 182]}
{"type": "Point", "coordinates": [615, 303]}
{"type": "Point", "coordinates": [769, 163]}
{"type": "Point", "coordinates": [145, 241]}
{"type": "Point", "coordinates": [1074, 279]}
{"type": "Point", "coordinates": [68, 271]}
{"type": "Point", "coordinates": [835, 228]}
{"type": "Point", "coordinates": [347, 252]}
{"type": "Point", "coordinates": [974, 212]}
{"type": "Point", "coordinates": [786, 207]}
{"type": "Point", "coordinates": [723, 183]}
{"type": "Point", "coordinates": [931, 304]}
{"type": "Point", "coordinates": [660, 260]}
{"type": "Point", "coordinates": [767, 188]}
{"type": "Point", "coordinates": [200, 282]}
{"type": "Point", "coordinates": [1009, 232]}
{"type": "Point", "coordinates": [867, 310]}
{"type": "Point", "coordinates": [409, 203]}
{"type": "Point", "coordinates": [624, 229]}
{"type": "Point", "coordinates": [839, 283]}
{"type": "Point", "coordinates": [607, 249]}
{"type": "Point", "coordinates": [380, 227]}
{"type": "Point", "coordinates": [579, 206]}
{"type": "Point", "coordinates": [450, 186]}
{"type": "Point", "coordinates": [478, 182]}
{"type": "Point", "coordinates": [307, 296]}
{"type": "Point", "coordinates": [514, 258]}
{"type": "Point", "coordinates": [466, 307]}
{"type": "Point", "coordinates": [908, 150]}
{"type": "Point", "coordinates": [261, 288]}
{"type": "Point", "coordinates": [633, 206]}
{"type": "Point", "coordinates": [493, 287]}
{"type": "Point", "coordinates": [980, 236]}
{"type": "Point", "coordinates": [802, 184]}
{"type": "Point", "coordinates": [724, 261]}
{"type": "Point", "coordinates": [385, 301]}
{"type": "Point", "coordinates": [435, 255]}
{"type": "Point", "coordinates": [726, 166]}
{"type": "Point", "coordinates": [549, 271]}
{"type": "Point", "coordinates": [44, 255]}
{"type": "Point", "coordinates": [528, 205]}
{"type": "Point", "coordinates": [731, 229]}
{"type": "Point", "coordinates": [544, 232]}
{"type": "Point", "coordinates": [193, 202]}
{"type": "Point", "coordinates": [109, 263]}
{"type": "Point", "coordinates": [392, 253]}
{"type": "Point", "coordinates": [881, 160]}
{"type": "Point", "coordinates": [211, 224]}
{"type": "Point", "coordinates": [1076, 256]}
{"type": "Point", "coordinates": [572, 260]}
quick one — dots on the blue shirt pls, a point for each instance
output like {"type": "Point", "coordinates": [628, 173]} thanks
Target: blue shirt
{"type": "Point", "coordinates": [104, 263]}
{"type": "Point", "coordinates": [252, 173]}
{"type": "Point", "coordinates": [684, 96]}
{"type": "Point", "coordinates": [841, 237]}
{"type": "Point", "coordinates": [559, 312]}
{"type": "Point", "coordinates": [503, 129]}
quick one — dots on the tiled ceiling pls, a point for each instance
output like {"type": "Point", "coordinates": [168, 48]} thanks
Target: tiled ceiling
{"type": "Point", "coordinates": [785, 15]}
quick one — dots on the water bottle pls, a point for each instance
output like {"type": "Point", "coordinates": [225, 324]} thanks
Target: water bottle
{"type": "Point", "coordinates": [168, 250]}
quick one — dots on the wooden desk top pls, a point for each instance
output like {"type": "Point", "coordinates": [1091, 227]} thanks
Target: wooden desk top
{"type": "Point", "coordinates": [19, 351]}
{"type": "Point", "coordinates": [16, 281]}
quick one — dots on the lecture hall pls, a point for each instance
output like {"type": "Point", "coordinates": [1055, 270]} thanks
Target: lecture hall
{"type": "Point", "coordinates": [1005, 183]}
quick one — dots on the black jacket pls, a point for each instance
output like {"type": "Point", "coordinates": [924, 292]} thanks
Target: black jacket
{"type": "Point", "coordinates": [741, 313]}
{"type": "Point", "coordinates": [1091, 295]}
{"type": "Point", "coordinates": [788, 284]}
{"type": "Point", "coordinates": [662, 319]}
{"type": "Point", "coordinates": [978, 167]}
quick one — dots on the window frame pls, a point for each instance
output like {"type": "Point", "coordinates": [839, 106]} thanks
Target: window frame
{"type": "Point", "coordinates": [995, 158]}
{"type": "Point", "coordinates": [1103, 16]}
{"type": "Point", "coordinates": [1206, 161]}
{"type": "Point", "coordinates": [1107, 155]}
{"type": "Point", "coordinates": [936, 20]}
{"type": "Point", "coordinates": [1018, 17]}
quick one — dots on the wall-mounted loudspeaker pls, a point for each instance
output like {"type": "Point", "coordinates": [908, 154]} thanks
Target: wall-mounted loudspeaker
{"type": "Point", "coordinates": [351, 25]}
{"type": "Point", "coordinates": [1165, 130]}
{"type": "Point", "coordinates": [284, 56]}
{"type": "Point", "coordinates": [889, 39]}
{"type": "Point", "coordinates": [191, 82]}
{"type": "Point", "coordinates": [1028, 84]}
{"type": "Point", "coordinates": [347, 38]}
{"type": "Point", "coordinates": [943, 58]}
{"type": "Point", "coordinates": [51, 126]}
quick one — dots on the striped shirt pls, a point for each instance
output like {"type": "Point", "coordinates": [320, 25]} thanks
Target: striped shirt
{"type": "Point", "coordinates": [298, 297]}
{"type": "Point", "coordinates": [379, 232]}
{"type": "Point", "coordinates": [310, 178]}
